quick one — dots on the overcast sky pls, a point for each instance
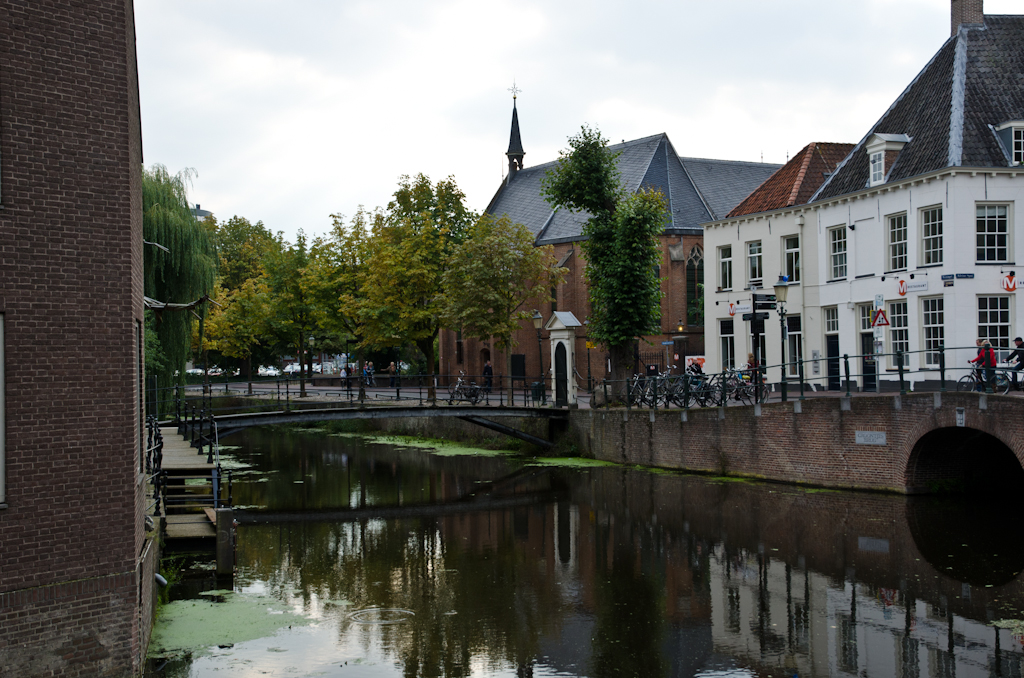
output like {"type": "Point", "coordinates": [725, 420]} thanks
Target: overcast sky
{"type": "Point", "coordinates": [290, 111]}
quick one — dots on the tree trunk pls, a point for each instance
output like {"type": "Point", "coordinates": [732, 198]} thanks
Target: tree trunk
{"type": "Point", "coordinates": [302, 381]}
{"type": "Point", "coordinates": [248, 371]}
{"type": "Point", "coordinates": [623, 363]}
{"type": "Point", "coordinates": [427, 347]}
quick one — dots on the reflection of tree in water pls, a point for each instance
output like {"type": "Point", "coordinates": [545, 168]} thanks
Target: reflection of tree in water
{"type": "Point", "coordinates": [500, 600]}
{"type": "Point", "coordinates": [630, 623]}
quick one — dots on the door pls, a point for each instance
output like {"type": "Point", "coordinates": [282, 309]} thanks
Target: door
{"type": "Point", "coordinates": [868, 369]}
{"type": "Point", "coordinates": [561, 377]}
{"type": "Point", "coordinates": [832, 362]}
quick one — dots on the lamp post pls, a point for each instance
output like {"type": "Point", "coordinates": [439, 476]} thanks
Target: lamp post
{"type": "Point", "coordinates": [589, 387]}
{"type": "Point", "coordinates": [538, 321]}
{"type": "Point", "coordinates": [781, 288]}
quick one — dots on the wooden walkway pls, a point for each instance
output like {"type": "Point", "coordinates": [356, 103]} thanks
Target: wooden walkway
{"type": "Point", "coordinates": [180, 458]}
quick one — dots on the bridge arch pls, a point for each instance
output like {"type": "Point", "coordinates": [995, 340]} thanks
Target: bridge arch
{"type": "Point", "coordinates": [962, 459]}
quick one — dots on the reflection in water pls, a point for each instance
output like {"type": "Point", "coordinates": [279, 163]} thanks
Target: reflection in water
{"type": "Point", "coordinates": [489, 567]}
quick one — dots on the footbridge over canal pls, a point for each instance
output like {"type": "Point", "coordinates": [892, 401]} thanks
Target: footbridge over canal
{"type": "Point", "coordinates": [224, 425]}
{"type": "Point", "coordinates": [912, 443]}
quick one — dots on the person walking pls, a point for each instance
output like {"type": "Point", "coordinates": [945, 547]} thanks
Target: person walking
{"type": "Point", "coordinates": [392, 371]}
{"type": "Point", "coordinates": [488, 376]}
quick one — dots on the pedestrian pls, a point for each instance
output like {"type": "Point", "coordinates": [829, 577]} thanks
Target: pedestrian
{"type": "Point", "coordinates": [1017, 360]}
{"type": "Point", "coordinates": [369, 373]}
{"type": "Point", "coordinates": [488, 376]}
{"type": "Point", "coordinates": [392, 371]}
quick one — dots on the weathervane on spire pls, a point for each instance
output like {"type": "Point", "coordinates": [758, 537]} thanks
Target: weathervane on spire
{"type": "Point", "coordinates": [515, 90]}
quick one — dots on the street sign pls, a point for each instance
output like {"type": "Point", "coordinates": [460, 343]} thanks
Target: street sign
{"type": "Point", "coordinates": [879, 301]}
{"type": "Point", "coordinates": [879, 334]}
{"type": "Point", "coordinates": [591, 344]}
{"type": "Point", "coordinates": [879, 319]}
{"type": "Point", "coordinates": [964, 276]}
{"type": "Point", "coordinates": [740, 308]}
{"type": "Point", "coordinates": [764, 297]}
{"type": "Point", "coordinates": [755, 316]}
{"type": "Point", "coordinates": [764, 305]}
{"type": "Point", "coordinates": [667, 343]}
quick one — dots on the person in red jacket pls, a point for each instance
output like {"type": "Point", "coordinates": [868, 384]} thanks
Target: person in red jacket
{"type": "Point", "coordinates": [985, 361]}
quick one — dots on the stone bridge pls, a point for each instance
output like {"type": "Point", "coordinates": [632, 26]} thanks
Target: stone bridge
{"type": "Point", "coordinates": [915, 443]}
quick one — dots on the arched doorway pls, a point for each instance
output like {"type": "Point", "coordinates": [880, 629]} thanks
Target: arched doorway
{"type": "Point", "coordinates": [561, 377]}
{"type": "Point", "coordinates": [963, 460]}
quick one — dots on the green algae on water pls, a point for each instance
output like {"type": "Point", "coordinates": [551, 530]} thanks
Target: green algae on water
{"type": "Point", "coordinates": [571, 462]}
{"type": "Point", "coordinates": [1016, 626]}
{"type": "Point", "coordinates": [441, 448]}
{"type": "Point", "coordinates": [192, 627]}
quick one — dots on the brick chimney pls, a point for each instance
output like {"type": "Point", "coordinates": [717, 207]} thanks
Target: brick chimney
{"type": "Point", "coordinates": [966, 12]}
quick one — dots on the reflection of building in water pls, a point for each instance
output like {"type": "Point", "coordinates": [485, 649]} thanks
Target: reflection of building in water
{"type": "Point", "coordinates": [773, 616]}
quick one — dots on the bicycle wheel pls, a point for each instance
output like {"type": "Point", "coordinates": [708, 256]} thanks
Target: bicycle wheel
{"type": "Point", "coordinates": [453, 394]}
{"type": "Point", "coordinates": [966, 383]}
{"type": "Point", "coordinates": [1002, 383]}
{"type": "Point", "coordinates": [473, 395]}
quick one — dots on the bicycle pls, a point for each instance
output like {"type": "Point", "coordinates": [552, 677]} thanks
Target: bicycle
{"type": "Point", "coordinates": [460, 391]}
{"type": "Point", "coordinates": [974, 381]}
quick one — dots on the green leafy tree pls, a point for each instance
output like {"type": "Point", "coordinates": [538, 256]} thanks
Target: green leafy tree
{"type": "Point", "coordinates": [621, 246]}
{"type": "Point", "coordinates": [182, 274]}
{"type": "Point", "coordinates": [242, 247]}
{"type": "Point", "coordinates": [493, 274]}
{"type": "Point", "coordinates": [290, 313]}
{"type": "Point", "coordinates": [401, 296]}
{"type": "Point", "coordinates": [237, 325]}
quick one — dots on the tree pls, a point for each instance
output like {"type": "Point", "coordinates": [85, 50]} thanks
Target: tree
{"type": "Point", "coordinates": [401, 296]}
{"type": "Point", "coordinates": [238, 324]}
{"type": "Point", "coordinates": [183, 273]}
{"type": "Point", "coordinates": [242, 247]}
{"type": "Point", "coordinates": [621, 246]}
{"type": "Point", "coordinates": [290, 313]}
{"type": "Point", "coordinates": [492, 275]}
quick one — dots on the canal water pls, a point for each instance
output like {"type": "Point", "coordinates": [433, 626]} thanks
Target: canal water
{"type": "Point", "coordinates": [380, 558]}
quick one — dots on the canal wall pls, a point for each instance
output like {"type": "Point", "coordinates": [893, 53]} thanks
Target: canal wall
{"type": "Point", "coordinates": [451, 428]}
{"type": "Point", "coordinates": [868, 443]}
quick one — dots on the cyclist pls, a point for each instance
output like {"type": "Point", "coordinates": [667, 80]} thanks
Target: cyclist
{"type": "Point", "coordinates": [1017, 360]}
{"type": "Point", "coordinates": [985, 362]}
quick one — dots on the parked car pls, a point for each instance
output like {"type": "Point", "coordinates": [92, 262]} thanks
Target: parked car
{"type": "Point", "coordinates": [292, 368]}
{"type": "Point", "coordinates": [270, 371]}
{"type": "Point", "coordinates": [318, 368]}
{"type": "Point", "coordinates": [195, 371]}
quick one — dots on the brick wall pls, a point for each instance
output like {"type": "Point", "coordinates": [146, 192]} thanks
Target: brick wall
{"type": "Point", "coordinates": [71, 294]}
{"type": "Point", "coordinates": [816, 445]}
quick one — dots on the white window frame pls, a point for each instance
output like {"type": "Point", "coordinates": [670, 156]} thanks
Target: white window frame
{"type": "Point", "coordinates": [792, 257]}
{"type": "Point", "coordinates": [898, 335]}
{"type": "Point", "coordinates": [831, 315]}
{"type": "Point", "coordinates": [992, 237]}
{"type": "Point", "coordinates": [1002, 323]}
{"type": "Point", "coordinates": [838, 258]}
{"type": "Point", "coordinates": [933, 329]}
{"type": "Point", "coordinates": [794, 345]}
{"type": "Point", "coordinates": [1018, 145]}
{"type": "Point", "coordinates": [755, 263]}
{"type": "Point", "coordinates": [725, 267]}
{"type": "Point", "coordinates": [896, 251]}
{"type": "Point", "coordinates": [877, 168]}
{"type": "Point", "coordinates": [727, 344]}
{"type": "Point", "coordinates": [931, 235]}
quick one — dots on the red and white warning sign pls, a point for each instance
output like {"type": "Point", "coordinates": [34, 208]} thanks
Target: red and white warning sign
{"type": "Point", "coordinates": [880, 319]}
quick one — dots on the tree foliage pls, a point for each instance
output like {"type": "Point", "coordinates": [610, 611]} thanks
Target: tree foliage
{"type": "Point", "coordinates": [402, 287]}
{"type": "Point", "coordinates": [242, 247]}
{"type": "Point", "coordinates": [181, 275]}
{"type": "Point", "coordinates": [493, 274]}
{"type": "Point", "coordinates": [621, 246]}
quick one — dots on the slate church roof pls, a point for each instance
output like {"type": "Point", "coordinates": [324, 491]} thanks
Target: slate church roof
{"type": "Point", "coordinates": [973, 83]}
{"type": "Point", "coordinates": [698, 190]}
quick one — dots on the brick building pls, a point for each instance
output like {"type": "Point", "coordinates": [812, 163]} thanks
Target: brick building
{"type": "Point", "coordinates": [696, 189]}
{"type": "Point", "coordinates": [76, 566]}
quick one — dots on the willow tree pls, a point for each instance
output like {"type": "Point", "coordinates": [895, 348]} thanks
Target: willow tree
{"type": "Point", "coordinates": [621, 245]}
{"type": "Point", "coordinates": [494, 275]}
{"type": "Point", "coordinates": [182, 274]}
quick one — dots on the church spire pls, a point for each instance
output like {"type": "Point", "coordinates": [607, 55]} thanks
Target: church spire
{"type": "Point", "coordinates": [515, 151]}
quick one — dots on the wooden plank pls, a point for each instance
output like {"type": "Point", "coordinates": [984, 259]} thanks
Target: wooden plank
{"type": "Point", "coordinates": [179, 456]}
{"type": "Point", "coordinates": [189, 526]}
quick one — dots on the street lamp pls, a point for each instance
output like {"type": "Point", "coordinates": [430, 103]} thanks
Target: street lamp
{"type": "Point", "coordinates": [538, 321]}
{"type": "Point", "coordinates": [589, 387]}
{"type": "Point", "coordinates": [781, 289]}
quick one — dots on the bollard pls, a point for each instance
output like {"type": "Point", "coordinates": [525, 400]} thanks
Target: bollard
{"type": "Point", "coordinates": [225, 541]}
{"type": "Point", "coordinates": [846, 363]}
{"type": "Point", "coordinates": [942, 368]}
{"type": "Point", "coordinates": [899, 367]}
{"type": "Point", "coordinates": [655, 393]}
{"type": "Point", "coordinates": [800, 370]}
{"type": "Point", "coordinates": [605, 384]}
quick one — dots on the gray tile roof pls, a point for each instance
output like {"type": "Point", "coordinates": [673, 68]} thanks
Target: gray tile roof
{"type": "Point", "coordinates": [974, 81]}
{"type": "Point", "coordinates": [696, 189]}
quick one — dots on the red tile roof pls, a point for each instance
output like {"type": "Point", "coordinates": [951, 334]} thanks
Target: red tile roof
{"type": "Point", "coordinates": [796, 181]}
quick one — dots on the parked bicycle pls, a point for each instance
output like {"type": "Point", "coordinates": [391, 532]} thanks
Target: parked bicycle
{"type": "Point", "coordinates": [461, 391]}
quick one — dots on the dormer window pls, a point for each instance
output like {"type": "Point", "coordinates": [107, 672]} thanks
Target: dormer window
{"type": "Point", "coordinates": [1011, 136]}
{"type": "Point", "coordinates": [883, 149]}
